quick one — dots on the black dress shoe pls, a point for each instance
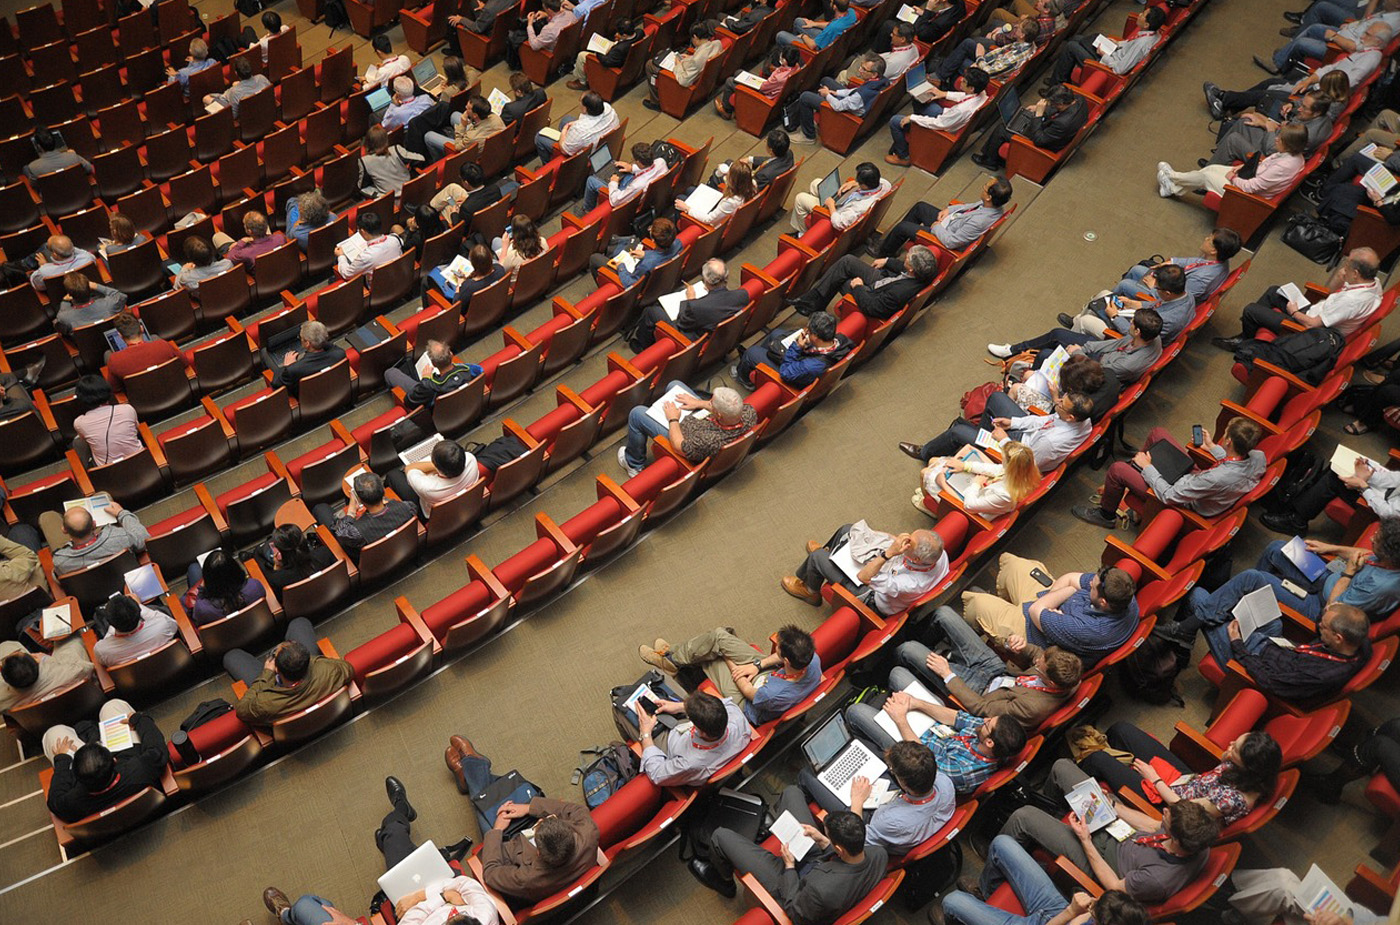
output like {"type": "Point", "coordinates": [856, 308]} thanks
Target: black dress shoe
{"type": "Point", "coordinates": [1228, 344]}
{"type": "Point", "coordinates": [1284, 522]}
{"type": "Point", "coordinates": [1267, 66]}
{"type": "Point", "coordinates": [651, 104]}
{"type": "Point", "coordinates": [398, 797]}
{"type": "Point", "coordinates": [1202, 161]}
{"type": "Point", "coordinates": [1293, 17]}
{"type": "Point", "coordinates": [1289, 32]}
{"type": "Point", "coordinates": [708, 875]}
{"type": "Point", "coordinates": [28, 376]}
{"type": "Point", "coordinates": [1065, 319]}
{"type": "Point", "coordinates": [457, 851]}
{"type": "Point", "coordinates": [1213, 102]}
{"type": "Point", "coordinates": [986, 163]}
{"type": "Point", "coordinates": [912, 450]}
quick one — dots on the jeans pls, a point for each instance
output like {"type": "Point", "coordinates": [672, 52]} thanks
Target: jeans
{"type": "Point", "coordinates": [1029, 881]}
{"type": "Point", "coordinates": [899, 140]}
{"type": "Point", "coordinates": [808, 104]}
{"type": "Point", "coordinates": [596, 185]}
{"type": "Point", "coordinates": [1307, 43]}
{"type": "Point", "coordinates": [246, 667]}
{"type": "Point", "coordinates": [307, 910]}
{"type": "Point", "coordinates": [861, 717]}
{"type": "Point", "coordinates": [642, 427]}
{"type": "Point", "coordinates": [1128, 738]}
{"type": "Point", "coordinates": [437, 143]}
{"type": "Point", "coordinates": [1131, 286]}
{"type": "Point", "coordinates": [544, 146]}
{"type": "Point", "coordinates": [1213, 611]}
{"type": "Point", "coordinates": [785, 39]}
{"type": "Point", "coordinates": [973, 660]}
{"type": "Point", "coordinates": [1328, 13]}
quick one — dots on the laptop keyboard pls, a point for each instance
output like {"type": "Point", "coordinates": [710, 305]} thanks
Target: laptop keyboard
{"type": "Point", "coordinates": [844, 768]}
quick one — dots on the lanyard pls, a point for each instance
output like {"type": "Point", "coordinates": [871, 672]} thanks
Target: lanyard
{"type": "Point", "coordinates": [1153, 841]}
{"type": "Point", "coordinates": [1036, 683]}
{"type": "Point", "coordinates": [1320, 651]}
{"type": "Point", "coordinates": [701, 744]}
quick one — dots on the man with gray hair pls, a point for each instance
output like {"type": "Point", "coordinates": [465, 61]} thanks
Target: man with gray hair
{"type": "Point", "coordinates": [197, 61]}
{"type": "Point", "coordinates": [58, 257]}
{"type": "Point", "coordinates": [405, 105]}
{"type": "Point", "coordinates": [445, 373]}
{"type": "Point", "coordinates": [315, 354]}
{"type": "Point", "coordinates": [879, 289]}
{"type": "Point", "coordinates": [367, 516]}
{"type": "Point", "coordinates": [894, 570]}
{"type": "Point", "coordinates": [247, 85]}
{"type": "Point", "coordinates": [706, 304]}
{"type": "Point", "coordinates": [696, 437]}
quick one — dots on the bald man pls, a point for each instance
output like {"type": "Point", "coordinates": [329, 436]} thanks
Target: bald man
{"type": "Point", "coordinates": [57, 257]}
{"type": "Point", "coordinates": [77, 541]}
{"type": "Point", "coordinates": [895, 569]}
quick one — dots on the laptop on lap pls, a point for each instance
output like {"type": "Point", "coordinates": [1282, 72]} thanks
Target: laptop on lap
{"type": "Point", "coordinates": [838, 758]}
{"type": "Point", "coordinates": [424, 866]}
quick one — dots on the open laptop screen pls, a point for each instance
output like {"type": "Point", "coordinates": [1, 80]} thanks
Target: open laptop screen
{"type": "Point", "coordinates": [827, 741]}
{"type": "Point", "coordinates": [829, 185]}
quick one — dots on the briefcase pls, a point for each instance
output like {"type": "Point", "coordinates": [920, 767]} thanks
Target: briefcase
{"type": "Point", "coordinates": [512, 788]}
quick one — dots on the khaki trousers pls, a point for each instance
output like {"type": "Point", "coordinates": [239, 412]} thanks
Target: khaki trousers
{"type": "Point", "coordinates": [708, 652]}
{"type": "Point", "coordinates": [1000, 614]}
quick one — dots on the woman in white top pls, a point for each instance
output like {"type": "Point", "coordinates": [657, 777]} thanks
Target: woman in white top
{"type": "Point", "coordinates": [106, 430]}
{"type": "Point", "coordinates": [739, 188]}
{"type": "Point", "coordinates": [449, 470]}
{"type": "Point", "coordinates": [523, 243]}
{"type": "Point", "coordinates": [998, 488]}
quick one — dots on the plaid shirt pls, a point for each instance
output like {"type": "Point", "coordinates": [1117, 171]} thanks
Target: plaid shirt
{"type": "Point", "coordinates": [957, 755]}
{"type": "Point", "coordinates": [1005, 58]}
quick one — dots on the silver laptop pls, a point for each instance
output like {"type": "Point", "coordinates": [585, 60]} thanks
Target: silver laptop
{"type": "Point", "coordinates": [378, 101]}
{"type": "Point", "coordinates": [602, 163]}
{"type": "Point", "coordinates": [426, 76]}
{"type": "Point", "coordinates": [420, 451]}
{"type": "Point", "coordinates": [424, 866]}
{"type": "Point", "coordinates": [838, 758]}
{"type": "Point", "coordinates": [829, 185]}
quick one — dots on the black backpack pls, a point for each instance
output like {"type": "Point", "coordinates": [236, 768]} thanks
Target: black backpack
{"type": "Point", "coordinates": [1309, 355]}
{"type": "Point", "coordinates": [667, 152]}
{"type": "Point", "coordinates": [1149, 673]}
{"type": "Point", "coordinates": [605, 775]}
{"type": "Point", "coordinates": [207, 711]}
{"type": "Point", "coordinates": [335, 14]}
{"type": "Point", "coordinates": [1305, 469]}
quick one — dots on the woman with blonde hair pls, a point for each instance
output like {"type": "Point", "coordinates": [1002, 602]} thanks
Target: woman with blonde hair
{"type": "Point", "coordinates": [996, 489]}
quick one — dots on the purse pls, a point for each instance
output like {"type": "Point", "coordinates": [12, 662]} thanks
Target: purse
{"type": "Point", "coordinates": [1312, 238]}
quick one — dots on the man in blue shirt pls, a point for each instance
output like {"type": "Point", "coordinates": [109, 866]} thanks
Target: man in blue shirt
{"type": "Point", "coordinates": [816, 34]}
{"type": "Point", "coordinates": [767, 686]}
{"type": "Point", "coordinates": [405, 105]}
{"type": "Point", "coordinates": [923, 805]}
{"type": "Point", "coordinates": [197, 61]}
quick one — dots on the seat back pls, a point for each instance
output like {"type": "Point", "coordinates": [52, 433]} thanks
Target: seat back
{"type": "Point", "coordinates": [313, 720]}
{"type": "Point", "coordinates": [317, 594]}
{"type": "Point", "coordinates": [95, 583]}
{"type": "Point", "coordinates": [384, 556]}
{"type": "Point", "coordinates": [450, 516]}
{"type": "Point", "coordinates": [325, 392]}
{"type": "Point", "coordinates": [159, 390]}
{"type": "Point", "coordinates": [65, 705]}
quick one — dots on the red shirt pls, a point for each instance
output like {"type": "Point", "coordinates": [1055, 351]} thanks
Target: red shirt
{"type": "Point", "coordinates": [138, 357]}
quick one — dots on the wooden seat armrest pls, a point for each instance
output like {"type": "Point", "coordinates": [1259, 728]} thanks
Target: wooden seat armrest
{"type": "Point", "coordinates": [273, 604]}
{"type": "Point", "coordinates": [1315, 293]}
{"type": "Point", "coordinates": [748, 271]}
{"type": "Point", "coordinates": [152, 445]}
{"type": "Point", "coordinates": [277, 467]}
{"type": "Point", "coordinates": [765, 899]}
{"type": "Point", "coordinates": [182, 621]}
{"type": "Point", "coordinates": [607, 488]}
{"type": "Point", "coordinates": [1373, 890]}
{"type": "Point", "coordinates": [342, 433]}
{"type": "Point", "coordinates": [570, 220]}
{"type": "Point", "coordinates": [607, 274]}
{"type": "Point", "coordinates": [1193, 747]}
{"type": "Point", "coordinates": [511, 336]}
{"type": "Point", "coordinates": [327, 648]}
{"type": "Point", "coordinates": [567, 396]}
{"type": "Point", "coordinates": [333, 544]}
{"type": "Point", "coordinates": [1066, 871]}
{"type": "Point", "coordinates": [1293, 620]}
{"type": "Point", "coordinates": [511, 428]}
{"type": "Point", "coordinates": [89, 637]}
{"type": "Point", "coordinates": [665, 328]}
{"type": "Point", "coordinates": [478, 570]}
{"type": "Point", "coordinates": [767, 374]}
{"type": "Point", "coordinates": [41, 405]}
{"type": "Point", "coordinates": [1137, 801]}
{"type": "Point", "coordinates": [951, 499]}
{"type": "Point", "coordinates": [439, 300]}
{"type": "Point", "coordinates": [563, 306]}
{"type": "Point", "coordinates": [546, 528]}
{"type": "Point", "coordinates": [618, 363]}
{"type": "Point", "coordinates": [1235, 409]}
{"type": "Point", "coordinates": [788, 242]}
{"type": "Point", "coordinates": [201, 491]}
{"type": "Point", "coordinates": [289, 299]}
{"type": "Point", "coordinates": [848, 598]}
{"type": "Point", "coordinates": [524, 174]}
{"type": "Point", "coordinates": [399, 396]}
{"type": "Point", "coordinates": [661, 446]}
{"type": "Point", "coordinates": [1116, 544]}
{"type": "Point", "coordinates": [1392, 460]}
{"type": "Point", "coordinates": [409, 614]}
{"type": "Point", "coordinates": [389, 326]}
{"type": "Point", "coordinates": [215, 412]}
{"type": "Point", "coordinates": [80, 473]}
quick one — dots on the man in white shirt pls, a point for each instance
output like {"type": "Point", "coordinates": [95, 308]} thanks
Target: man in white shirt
{"type": "Point", "coordinates": [378, 249]}
{"type": "Point", "coordinates": [853, 199]}
{"type": "Point", "coordinates": [907, 567]}
{"type": "Point", "coordinates": [947, 111]}
{"type": "Point", "coordinates": [404, 105]}
{"type": "Point", "coordinates": [447, 471]}
{"type": "Point", "coordinates": [581, 132]}
{"type": "Point", "coordinates": [694, 750]}
{"type": "Point", "coordinates": [1355, 294]}
{"type": "Point", "coordinates": [1051, 437]}
{"type": "Point", "coordinates": [133, 629]}
{"type": "Point", "coordinates": [390, 65]}
{"type": "Point", "coordinates": [630, 180]}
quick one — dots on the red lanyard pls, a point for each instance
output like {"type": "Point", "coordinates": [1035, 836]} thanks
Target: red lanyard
{"type": "Point", "coordinates": [1153, 841]}
{"type": "Point", "coordinates": [922, 800]}
{"type": "Point", "coordinates": [1320, 651]}
{"type": "Point", "coordinates": [919, 567]}
{"type": "Point", "coordinates": [1036, 683]}
{"type": "Point", "coordinates": [970, 743]}
{"type": "Point", "coordinates": [701, 743]}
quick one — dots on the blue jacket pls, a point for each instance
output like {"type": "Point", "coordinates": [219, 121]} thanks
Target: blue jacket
{"type": "Point", "coordinates": [800, 368]}
{"type": "Point", "coordinates": [651, 259]}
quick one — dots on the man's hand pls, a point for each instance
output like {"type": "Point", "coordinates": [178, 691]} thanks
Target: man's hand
{"type": "Point", "coordinates": [453, 897]}
{"type": "Point", "coordinates": [681, 207]}
{"type": "Point", "coordinates": [689, 291]}
{"type": "Point", "coordinates": [512, 810]}
{"type": "Point", "coordinates": [906, 122]}
{"type": "Point", "coordinates": [1002, 423]}
{"type": "Point", "coordinates": [169, 71]}
{"type": "Point", "coordinates": [114, 509]}
{"type": "Point", "coordinates": [1233, 630]}
{"type": "Point", "coordinates": [1081, 831]}
{"type": "Point", "coordinates": [1073, 349]}
{"type": "Point", "coordinates": [1382, 153]}
{"type": "Point", "coordinates": [689, 402]}
{"type": "Point", "coordinates": [1081, 903]}
{"type": "Point", "coordinates": [1357, 558]}
{"type": "Point", "coordinates": [789, 861]}
{"type": "Point", "coordinates": [860, 791]}
{"type": "Point", "coordinates": [672, 411]}
{"type": "Point", "coordinates": [1326, 917]}
{"type": "Point", "coordinates": [897, 705]}
{"type": "Point", "coordinates": [670, 706]}
{"type": "Point", "coordinates": [1142, 459]}
{"type": "Point", "coordinates": [65, 745]}
{"type": "Point", "coordinates": [455, 20]}
{"type": "Point", "coordinates": [899, 546]}
{"type": "Point", "coordinates": [744, 672]}
{"type": "Point", "coordinates": [815, 834]}
{"type": "Point", "coordinates": [824, 91]}
{"type": "Point", "coordinates": [289, 358]}
{"type": "Point", "coordinates": [1361, 475]}
{"type": "Point", "coordinates": [270, 663]}
{"type": "Point", "coordinates": [857, 281]}
{"type": "Point", "coordinates": [338, 252]}
{"type": "Point", "coordinates": [645, 722]}
{"type": "Point", "coordinates": [406, 903]}
{"type": "Point", "coordinates": [1015, 643]}
{"type": "Point", "coordinates": [937, 664]}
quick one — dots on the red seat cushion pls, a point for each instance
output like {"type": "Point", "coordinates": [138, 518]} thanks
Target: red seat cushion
{"type": "Point", "coordinates": [953, 528]}
{"type": "Point", "coordinates": [366, 431]}
{"type": "Point", "coordinates": [352, 356]}
{"type": "Point", "coordinates": [626, 811]}
{"type": "Point", "coordinates": [213, 737]}
{"type": "Point", "coordinates": [410, 324]}
{"type": "Point", "coordinates": [548, 427]}
{"type": "Point", "coordinates": [232, 407]}
{"type": "Point", "coordinates": [242, 491]}
{"type": "Point", "coordinates": [181, 430]}
{"type": "Point", "coordinates": [1243, 714]}
{"type": "Point", "coordinates": [545, 332]}
{"type": "Point", "coordinates": [650, 359]}
{"type": "Point", "coordinates": [594, 300]}
{"type": "Point", "coordinates": [647, 484]}
{"type": "Point", "coordinates": [837, 636]}
{"type": "Point", "coordinates": [170, 524]}
{"type": "Point", "coordinates": [531, 560]}
{"type": "Point", "coordinates": [585, 526]}
{"type": "Point", "coordinates": [789, 261]}
{"type": "Point", "coordinates": [295, 466]}
{"type": "Point", "coordinates": [765, 400]}
{"type": "Point", "coordinates": [383, 650]}
{"type": "Point", "coordinates": [605, 388]}
{"type": "Point", "coordinates": [490, 364]}
{"type": "Point", "coordinates": [853, 326]}
{"type": "Point", "coordinates": [40, 484]}
{"type": "Point", "coordinates": [457, 606]}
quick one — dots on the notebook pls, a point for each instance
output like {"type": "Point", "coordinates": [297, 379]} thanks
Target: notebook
{"type": "Point", "coordinates": [1309, 563]}
{"type": "Point", "coordinates": [367, 336]}
{"type": "Point", "coordinates": [57, 621]}
{"type": "Point", "coordinates": [1256, 609]}
{"type": "Point", "coordinates": [919, 722]}
{"type": "Point", "coordinates": [353, 246]}
{"type": "Point", "coordinates": [671, 301]}
{"type": "Point", "coordinates": [116, 733]}
{"type": "Point", "coordinates": [498, 100]}
{"type": "Point", "coordinates": [657, 410]}
{"type": "Point", "coordinates": [749, 79]}
{"type": "Point", "coordinates": [704, 198]}
{"type": "Point", "coordinates": [96, 506]}
{"type": "Point", "coordinates": [599, 45]}
{"type": "Point", "coordinates": [144, 583]}
{"type": "Point", "coordinates": [1344, 462]}
{"type": "Point", "coordinates": [423, 867]}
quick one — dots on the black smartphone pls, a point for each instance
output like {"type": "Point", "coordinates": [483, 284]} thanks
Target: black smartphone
{"type": "Point", "coordinates": [1039, 575]}
{"type": "Point", "coordinates": [647, 704]}
{"type": "Point", "coordinates": [1198, 435]}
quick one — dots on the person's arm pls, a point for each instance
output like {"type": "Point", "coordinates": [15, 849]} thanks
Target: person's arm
{"type": "Point", "coordinates": [19, 560]}
{"type": "Point", "coordinates": [873, 567]}
{"type": "Point", "coordinates": [1050, 600]}
{"type": "Point", "coordinates": [153, 753]}
{"type": "Point", "coordinates": [1355, 560]}
{"type": "Point", "coordinates": [1105, 875]}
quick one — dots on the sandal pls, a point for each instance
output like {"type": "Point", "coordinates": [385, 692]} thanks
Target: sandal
{"type": "Point", "coordinates": [1356, 428]}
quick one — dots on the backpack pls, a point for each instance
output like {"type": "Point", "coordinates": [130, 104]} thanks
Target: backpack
{"type": "Point", "coordinates": [335, 14]}
{"type": "Point", "coordinates": [1309, 355]}
{"type": "Point", "coordinates": [667, 152]}
{"type": "Point", "coordinates": [1305, 469]}
{"type": "Point", "coordinates": [1149, 672]}
{"type": "Point", "coordinates": [206, 712]}
{"type": "Point", "coordinates": [605, 775]}
{"type": "Point", "coordinates": [744, 813]}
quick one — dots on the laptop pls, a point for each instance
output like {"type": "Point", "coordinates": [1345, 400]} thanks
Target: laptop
{"type": "Point", "coordinates": [601, 163]}
{"type": "Point", "coordinates": [838, 758]}
{"type": "Point", "coordinates": [1170, 462]}
{"type": "Point", "coordinates": [421, 450]}
{"type": "Point", "coordinates": [378, 101]}
{"type": "Point", "coordinates": [829, 185]}
{"type": "Point", "coordinates": [916, 79]}
{"type": "Point", "coordinates": [426, 76]}
{"type": "Point", "coordinates": [1017, 120]}
{"type": "Point", "coordinates": [367, 336]}
{"type": "Point", "coordinates": [424, 866]}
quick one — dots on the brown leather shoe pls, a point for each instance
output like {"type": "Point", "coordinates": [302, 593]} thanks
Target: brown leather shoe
{"type": "Point", "coordinates": [898, 161]}
{"type": "Point", "coordinates": [912, 450]}
{"type": "Point", "coordinates": [276, 901]}
{"type": "Point", "coordinates": [813, 546]}
{"type": "Point", "coordinates": [656, 658]}
{"type": "Point", "coordinates": [457, 748]}
{"type": "Point", "coordinates": [576, 85]}
{"type": "Point", "coordinates": [794, 586]}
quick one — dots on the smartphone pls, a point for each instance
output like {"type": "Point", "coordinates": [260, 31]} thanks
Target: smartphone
{"type": "Point", "coordinates": [1198, 435]}
{"type": "Point", "coordinates": [1039, 575]}
{"type": "Point", "coordinates": [647, 704]}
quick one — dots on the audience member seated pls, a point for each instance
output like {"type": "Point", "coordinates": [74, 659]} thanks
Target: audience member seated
{"type": "Point", "coordinates": [293, 677]}
{"type": "Point", "coordinates": [55, 259]}
{"type": "Point", "coordinates": [853, 199]}
{"type": "Point", "coordinates": [766, 685]}
{"type": "Point", "coordinates": [540, 30]}
{"type": "Point", "coordinates": [699, 313]}
{"type": "Point", "coordinates": [923, 803]}
{"type": "Point", "coordinates": [197, 60]}
{"type": "Point", "coordinates": [525, 97]}
{"type": "Point", "coordinates": [473, 125]}
{"type": "Point", "coordinates": [1088, 613]}
{"type": "Point", "coordinates": [306, 213]}
{"type": "Point", "coordinates": [1127, 55]}
{"type": "Point", "coordinates": [1209, 492]}
{"type": "Point", "coordinates": [422, 224]}
{"type": "Point", "coordinates": [1252, 135]}
{"type": "Point", "coordinates": [525, 869]}
{"type": "Point", "coordinates": [139, 352]}
{"type": "Point", "coordinates": [86, 303]}
{"type": "Point", "coordinates": [459, 202]}
{"type": "Point", "coordinates": [220, 587]}
{"type": "Point", "coordinates": [1051, 437]}
{"type": "Point", "coordinates": [1274, 175]}
{"type": "Point", "coordinates": [682, 756]}
{"type": "Point", "coordinates": [837, 873]}
{"type": "Point", "coordinates": [405, 105]}
{"type": "Point", "coordinates": [1313, 41]}
{"type": "Point", "coordinates": [485, 271]}
{"type": "Point", "coordinates": [995, 60]}
{"type": "Point", "coordinates": [367, 517]}
{"type": "Point", "coordinates": [1165, 292]}
{"type": "Point", "coordinates": [1247, 773]}
{"type": "Point", "coordinates": [687, 64]}
{"type": "Point", "coordinates": [1036, 893]}
{"type": "Point", "coordinates": [664, 246]}
{"type": "Point", "coordinates": [625, 34]}
{"type": "Point", "coordinates": [447, 374]}
{"type": "Point", "coordinates": [247, 84]}
{"type": "Point", "coordinates": [124, 235]}
{"type": "Point", "coordinates": [1354, 293]}
{"type": "Point", "coordinates": [1029, 688]}
{"type": "Point", "coordinates": [78, 542]}
{"type": "Point", "coordinates": [257, 240]}
{"type": "Point", "coordinates": [1056, 120]}
{"type": "Point", "coordinates": [385, 168]}
{"type": "Point", "coordinates": [389, 66]}
{"type": "Point", "coordinates": [272, 22]}
{"type": "Point", "coordinates": [879, 290]}
{"type": "Point", "coordinates": [1377, 487]}
{"type": "Point", "coordinates": [1151, 866]}
{"type": "Point", "coordinates": [895, 570]}
{"type": "Point", "coordinates": [479, 16]}
{"type": "Point", "coordinates": [855, 96]}
{"type": "Point", "coordinates": [578, 133]}
{"type": "Point", "coordinates": [87, 778]}
{"type": "Point", "coordinates": [20, 571]}
{"type": "Point", "coordinates": [996, 488]}
{"type": "Point", "coordinates": [1341, 195]}
{"type": "Point", "coordinates": [775, 74]}
{"type": "Point", "coordinates": [1204, 273]}
{"type": "Point", "coordinates": [630, 181]}
{"type": "Point", "coordinates": [313, 353]}
{"type": "Point", "coordinates": [1266, 897]}
{"type": "Point", "coordinates": [1127, 358]}
{"type": "Point", "coordinates": [290, 555]}
{"type": "Point", "coordinates": [53, 155]}
{"type": "Point", "coordinates": [1378, 753]}
{"type": "Point", "coordinates": [946, 111]}
{"type": "Point", "coordinates": [739, 188]}
{"type": "Point", "coordinates": [935, 19]}
{"type": "Point", "coordinates": [378, 249]}
{"type": "Point", "coordinates": [201, 262]}
{"type": "Point", "coordinates": [955, 225]}
{"type": "Point", "coordinates": [132, 630]}
{"type": "Point", "coordinates": [447, 471]}
{"type": "Point", "coordinates": [1363, 44]}
{"type": "Point", "coordinates": [901, 56]}
{"type": "Point", "coordinates": [695, 437]}
{"type": "Point", "coordinates": [800, 357]}
{"type": "Point", "coordinates": [816, 34]}
{"type": "Point", "coordinates": [27, 678]}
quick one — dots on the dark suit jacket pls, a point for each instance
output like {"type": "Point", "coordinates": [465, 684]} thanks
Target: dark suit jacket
{"type": "Point", "coordinates": [1053, 131]}
{"type": "Point", "coordinates": [292, 374]}
{"type": "Point", "coordinates": [931, 26]}
{"type": "Point", "coordinates": [698, 316]}
{"type": "Point", "coordinates": [747, 19]}
{"type": "Point", "coordinates": [471, 286]}
{"type": "Point", "coordinates": [771, 169]}
{"type": "Point", "coordinates": [512, 111]}
{"type": "Point", "coordinates": [486, 15]}
{"type": "Point", "coordinates": [137, 768]}
{"type": "Point", "coordinates": [477, 200]}
{"type": "Point", "coordinates": [514, 867]}
{"type": "Point", "coordinates": [617, 55]}
{"type": "Point", "coordinates": [886, 300]}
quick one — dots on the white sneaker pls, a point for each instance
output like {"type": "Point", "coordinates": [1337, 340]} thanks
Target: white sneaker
{"type": "Point", "coordinates": [1166, 188]}
{"type": "Point", "coordinates": [622, 461]}
{"type": "Point", "coordinates": [800, 137]}
{"type": "Point", "coordinates": [1000, 351]}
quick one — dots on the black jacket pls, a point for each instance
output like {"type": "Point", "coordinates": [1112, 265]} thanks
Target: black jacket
{"type": "Point", "coordinates": [617, 55]}
{"type": "Point", "coordinates": [476, 200]}
{"type": "Point", "coordinates": [745, 20]}
{"type": "Point", "coordinates": [305, 365]}
{"type": "Point", "coordinates": [1054, 130]}
{"type": "Point", "coordinates": [428, 388]}
{"type": "Point", "coordinates": [771, 169]}
{"type": "Point", "coordinates": [138, 767]}
{"type": "Point", "coordinates": [512, 111]}
{"type": "Point", "coordinates": [932, 26]}
{"type": "Point", "coordinates": [699, 316]}
{"type": "Point", "coordinates": [471, 285]}
{"type": "Point", "coordinates": [884, 301]}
